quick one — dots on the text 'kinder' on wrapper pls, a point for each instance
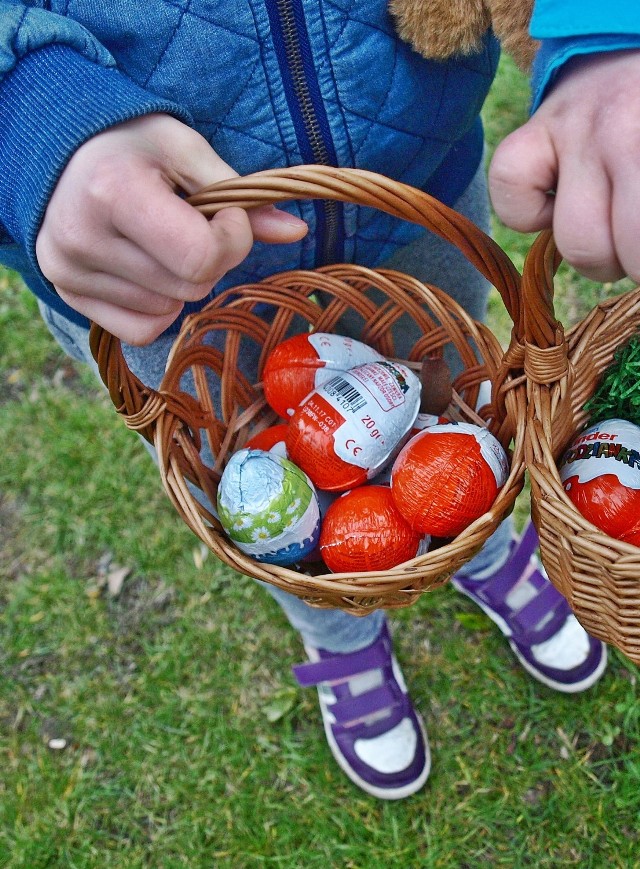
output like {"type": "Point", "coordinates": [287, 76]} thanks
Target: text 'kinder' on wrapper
{"type": "Point", "coordinates": [344, 432]}
{"type": "Point", "coordinates": [600, 473]}
{"type": "Point", "coordinates": [301, 363]}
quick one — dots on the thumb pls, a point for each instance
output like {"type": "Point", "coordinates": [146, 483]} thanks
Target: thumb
{"type": "Point", "coordinates": [274, 226]}
{"type": "Point", "coordinates": [523, 175]}
{"type": "Point", "coordinates": [196, 165]}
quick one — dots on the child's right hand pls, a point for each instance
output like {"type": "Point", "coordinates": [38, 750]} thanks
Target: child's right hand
{"type": "Point", "coordinates": [122, 248]}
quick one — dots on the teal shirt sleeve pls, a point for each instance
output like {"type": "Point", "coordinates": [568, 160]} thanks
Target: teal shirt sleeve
{"type": "Point", "coordinates": [578, 27]}
{"type": "Point", "coordinates": [559, 18]}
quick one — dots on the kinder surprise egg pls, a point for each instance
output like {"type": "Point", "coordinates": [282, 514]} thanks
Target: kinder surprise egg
{"type": "Point", "coordinates": [363, 530]}
{"type": "Point", "coordinates": [271, 439]}
{"type": "Point", "coordinates": [601, 475]}
{"type": "Point", "coordinates": [268, 507]}
{"type": "Point", "coordinates": [344, 432]}
{"type": "Point", "coordinates": [301, 363]}
{"type": "Point", "coordinates": [422, 421]}
{"type": "Point", "coordinates": [447, 476]}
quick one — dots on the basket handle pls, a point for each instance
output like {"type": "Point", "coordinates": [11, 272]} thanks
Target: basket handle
{"type": "Point", "coordinates": [541, 328]}
{"type": "Point", "coordinates": [547, 363]}
{"type": "Point", "coordinates": [141, 405]}
{"type": "Point", "coordinates": [361, 187]}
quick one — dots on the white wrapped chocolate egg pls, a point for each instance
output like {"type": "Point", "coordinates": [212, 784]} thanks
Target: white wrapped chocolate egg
{"type": "Point", "coordinates": [345, 431]}
{"type": "Point", "coordinates": [268, 507]}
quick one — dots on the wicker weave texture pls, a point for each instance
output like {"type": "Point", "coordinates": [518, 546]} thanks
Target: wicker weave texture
{"type": "Point", "coordinates": [599, 576]}
{"type": "Point", "coordinates": [179, 419]}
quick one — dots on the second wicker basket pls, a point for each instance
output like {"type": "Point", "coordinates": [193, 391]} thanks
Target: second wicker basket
{"type": "Point", "coordinates": [599, 576]}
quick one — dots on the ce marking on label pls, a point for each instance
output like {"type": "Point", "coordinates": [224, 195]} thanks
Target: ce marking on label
{"type": "Point", "coordinates": [350, 445]}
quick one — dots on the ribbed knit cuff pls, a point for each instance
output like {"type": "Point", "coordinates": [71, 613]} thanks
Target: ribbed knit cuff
{"type": "Point", "coordinates": [50, 104]}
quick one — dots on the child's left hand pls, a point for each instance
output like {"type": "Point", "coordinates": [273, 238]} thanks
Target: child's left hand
{"type": "Point", "coordinates": [583, 142]}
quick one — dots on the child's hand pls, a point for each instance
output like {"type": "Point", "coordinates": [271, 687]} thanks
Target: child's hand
{"type": "Point", "coordinates": [583, 142]}
{"type": "Point", "coordinates": [123, 249]}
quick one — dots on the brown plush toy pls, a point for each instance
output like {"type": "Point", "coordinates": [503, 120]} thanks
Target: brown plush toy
{"type": "Point", "coordinates": [440, 29]}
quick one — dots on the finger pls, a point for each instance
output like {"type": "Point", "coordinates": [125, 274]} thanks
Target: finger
{"type": "Point", "coordinates": [275, 226]}
{"type": "Point", "coordinates": [582, 220]}
{"type": "Point", "coordinates": [120, 292]}
{"type": "Point", "coordinates": [193, 165]}
{"type": "Point", "coordinates": [180, 238]}
{"type": "Point", "coordinates": [522, 174]}
{"type": "Point", "coordinates": [130, 326]}
{"type": "Point", "coordinates": [128, 266]}
{"type": "Point", "coordinates": [625, 221]}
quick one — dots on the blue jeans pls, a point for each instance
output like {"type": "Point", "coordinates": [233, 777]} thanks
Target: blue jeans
{"type": "Point", "coordinates": [431, 260]}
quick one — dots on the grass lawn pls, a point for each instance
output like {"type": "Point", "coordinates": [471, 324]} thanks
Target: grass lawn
{"type": "Point", "coordinates": [148, 716]}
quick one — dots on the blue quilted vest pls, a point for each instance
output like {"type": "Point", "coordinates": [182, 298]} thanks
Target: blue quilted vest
{"type": "Point", "coordinates": [282, 82]}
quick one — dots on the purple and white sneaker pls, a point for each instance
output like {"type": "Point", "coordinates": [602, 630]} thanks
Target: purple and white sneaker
{"type": "Point", "coordinates": [373, 731]}
{"type": "Point", "coordinates": [543, 633]}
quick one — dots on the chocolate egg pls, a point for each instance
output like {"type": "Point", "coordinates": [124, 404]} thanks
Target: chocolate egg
{"type": "Point", "coordinates": [363, 530]}
{"type": "Point", "coordinates": [301, 363]}
{"type": "Point", "coordinates": [600, 473]}
{"type": "Point", "coordinates": [345, 431]}
{"type": "Point", "coordinates": [271, 439]}
{"type": "Point", "coordinates": [447, 476]}
{"type": "Point", "coordinates": [268, 507]}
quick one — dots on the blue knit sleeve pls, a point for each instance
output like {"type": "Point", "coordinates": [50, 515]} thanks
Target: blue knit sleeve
{"type": "Point", "coordinates": [578, 27]}
{"type": "Point", "coordinates": [58, 88]}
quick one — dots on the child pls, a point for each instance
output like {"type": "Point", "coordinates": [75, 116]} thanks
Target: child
{"type": "Point", "coordinates": [106, 124]}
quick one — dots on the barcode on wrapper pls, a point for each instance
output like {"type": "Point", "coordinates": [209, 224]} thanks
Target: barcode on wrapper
{"type": "Point", "coordinates": [345, 394]}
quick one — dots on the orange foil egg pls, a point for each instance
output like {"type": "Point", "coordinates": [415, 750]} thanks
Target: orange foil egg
{"type": "Point", "coordinates": [298, 365]}
{"type": "Point", "coordinates": [270, 438]}
{"type": "Point", "coordinates": [600, 473]}
{"type": "Point", "coordinates": [447, 476]}
{"type": "Point", "coordinates": [363, 530]}
{"type": "Point", "coordinates": [345, 431]}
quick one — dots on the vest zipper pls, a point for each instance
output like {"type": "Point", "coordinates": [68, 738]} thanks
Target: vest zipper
{"type": "Point", "coordinates": [302, 90]}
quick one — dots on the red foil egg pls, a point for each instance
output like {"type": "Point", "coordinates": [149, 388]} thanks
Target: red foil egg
{"type": "Point", "coordinates": [363, 530]}
{"type": "Point", "coordinates": [268, 438]}
{"type": "Point", "coordinates": [301, 363]}
{"type": "Point", "coordinates": [600, 473]}
{"type": "Point", "coordinates": [447, 476]}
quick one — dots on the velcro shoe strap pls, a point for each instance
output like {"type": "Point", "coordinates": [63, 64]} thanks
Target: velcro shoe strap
{"type": "Point", "coordinates": [386, 696]}
{"type": "Point", "coordinates": [547, 603]}
{"type": "Point", "coordinates": [495, 588]}
{"type": "Point", "coordinates": [340, 667]}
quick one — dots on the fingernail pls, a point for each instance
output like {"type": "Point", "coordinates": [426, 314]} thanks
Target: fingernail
{"type": "Point", "coordinates": [285, 217]}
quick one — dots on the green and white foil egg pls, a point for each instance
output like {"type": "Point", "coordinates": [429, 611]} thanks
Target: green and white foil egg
{"type": "Point", "coordinates": [268, 507]}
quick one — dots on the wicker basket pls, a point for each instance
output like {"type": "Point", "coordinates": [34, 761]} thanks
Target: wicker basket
{"type": "Point", "coordinates": [178, 423]}
{"type": "Point", "coordinates": [599, 576]}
